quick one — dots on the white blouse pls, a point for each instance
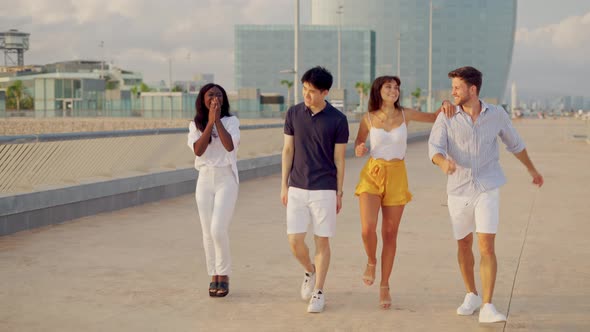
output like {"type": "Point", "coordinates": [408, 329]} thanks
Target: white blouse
{"type": "Point", "coordinates": [216, 155]}
{"type": "Point", "coordinates": [389, 145]}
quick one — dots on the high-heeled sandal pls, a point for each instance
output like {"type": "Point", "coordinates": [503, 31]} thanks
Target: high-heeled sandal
{"type": "Point", "coordinates": [385, 304]}
{"type": "Point", "coordinates": [369, 279]}
{"type": "Point", "coordinates": [223, 288]}
{"type": "Point", "coordinates": [213, 289]}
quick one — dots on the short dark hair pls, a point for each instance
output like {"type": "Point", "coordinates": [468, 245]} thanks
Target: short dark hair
{"type": "Point", "coordinates": [375, 100]}
{"type": "Point", "coordinates": [319, 77]}
{"type": "Point", "coordinates": [469, 75]}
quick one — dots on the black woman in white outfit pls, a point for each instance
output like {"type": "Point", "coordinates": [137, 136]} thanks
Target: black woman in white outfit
{"type": "Point", "coordinates": [214, 136]}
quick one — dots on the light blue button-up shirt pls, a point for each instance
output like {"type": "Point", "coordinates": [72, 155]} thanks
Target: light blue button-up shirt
{"type": "Point", "coordinates": [474, 148]}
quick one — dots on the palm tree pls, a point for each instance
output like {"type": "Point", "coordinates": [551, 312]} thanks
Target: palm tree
{"type": "Point", "coordinates": [144, 87]}
{"type": "Point", "coordinates": [417, 94]}
{"type": "Point", "coordinates": [363, 89]}
{"type": "Point", "coordinates": [136, 89]}
{"type": "Point", "coordinates": [16, 91]}
{"type": "Point", "coordinates": [289, 85]}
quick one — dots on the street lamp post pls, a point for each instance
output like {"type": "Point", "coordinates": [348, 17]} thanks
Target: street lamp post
{"type": "Point", "coordinates": [170, 86]}
{"type": "Point", "coordinates": [340, 11]}
{"type": "Point", "coordinates": [399, 50]}
{"type": "Point", "coordinates": [102, 60]}
{"type": "Point", "coordinates": [429, 102]}
{"type": "Point", "coordinates": [188, 81]}
{"type": "Point", "coordinates": [296, 56]}
{"type": "Point", "coordinates": [170, 74]}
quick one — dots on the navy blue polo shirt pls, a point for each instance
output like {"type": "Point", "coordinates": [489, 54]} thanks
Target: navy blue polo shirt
{"type": "Point", "coordinates": [314, 138]}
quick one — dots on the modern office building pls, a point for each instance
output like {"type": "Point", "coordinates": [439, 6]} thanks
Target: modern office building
{"type": "Point", "coordinates": [577, 102]}
{"type": "Point", "coordinates": [262, 52]}
{"type": "Point", "coordinates": [566, 103]}
{"type": "Point", "coordinates": [75, 88]}
{"type": "Point", "coordinates": [478, 33]}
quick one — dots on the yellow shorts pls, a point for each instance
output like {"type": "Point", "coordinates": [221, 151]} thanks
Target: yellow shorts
{"type": "Point", "coordinates": [386, 179]}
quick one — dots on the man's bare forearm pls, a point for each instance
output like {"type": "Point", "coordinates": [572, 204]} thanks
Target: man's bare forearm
{"type": "Point", "coordinates": [286, 164]}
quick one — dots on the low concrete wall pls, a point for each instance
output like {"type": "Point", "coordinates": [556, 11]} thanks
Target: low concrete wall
{"type": "Point", "coordinates": [54, 206]}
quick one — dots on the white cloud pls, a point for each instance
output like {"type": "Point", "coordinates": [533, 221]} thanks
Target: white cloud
{"type": "Point", "coordinates": [89, 11]}
{"type": "Point", "coordinates": [142, 35]}
{"type": "Point", "coordinates": [570, 34]}
{"type": "Point", "coordinates": [147, 55]}
{"type": "Point", "coordinates": [45, 12]}
{"type": "Point", "coordinates": [553, 58]}
{"type": "Point", "coordinates": [40, 12]}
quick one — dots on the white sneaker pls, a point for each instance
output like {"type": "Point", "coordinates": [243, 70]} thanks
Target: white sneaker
{"type": "Point", "coordinates": [489, 314]}
{"type": "Point", "coordinates": [317, 302]}
{"type": "Point", "coordinates": [307, 285]}
{"type": "Point", "coordinates": [471, 303]}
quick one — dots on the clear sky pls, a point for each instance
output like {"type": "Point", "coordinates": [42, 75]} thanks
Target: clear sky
{"type": "Point", "coordinates": [551, 53]}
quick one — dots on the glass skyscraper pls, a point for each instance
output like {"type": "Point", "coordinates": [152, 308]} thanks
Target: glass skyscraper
{"type": "Point", "coordinates": [477, 33]}
{"type": "Point", "coordinates": [263, 51]}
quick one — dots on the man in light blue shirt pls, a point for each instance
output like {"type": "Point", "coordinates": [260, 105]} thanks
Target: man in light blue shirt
{"type": "Point", "coordinates": [465, 147]}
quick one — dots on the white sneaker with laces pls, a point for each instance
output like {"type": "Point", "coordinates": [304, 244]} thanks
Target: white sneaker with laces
{"type": "Point", "coordinates": [489, 314]}
{"type": "Point", "coordinates": [317, 302]}
{"type": "Point", "coordinates": [471, 303]}
{"type": "Point", "coordinates": [307, 285]}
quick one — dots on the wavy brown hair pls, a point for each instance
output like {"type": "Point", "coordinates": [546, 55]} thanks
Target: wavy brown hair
{"type": "Point", "coordinates": [375, 100]}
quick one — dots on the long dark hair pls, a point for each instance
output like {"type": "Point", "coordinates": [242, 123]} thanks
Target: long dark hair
{"type": "Point", "coordinates": [375, 100]}
{"type": "Point", "coordinates": [202, 112]}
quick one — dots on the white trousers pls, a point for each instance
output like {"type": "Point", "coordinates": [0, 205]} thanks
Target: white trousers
{"type": "Point", "coordinates": [216, 195]}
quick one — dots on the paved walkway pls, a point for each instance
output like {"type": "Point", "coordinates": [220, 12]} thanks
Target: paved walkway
{"type": "Point", "coordinates": [142, 269]}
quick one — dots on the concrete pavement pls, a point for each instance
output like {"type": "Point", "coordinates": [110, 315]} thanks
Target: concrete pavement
{"type": "Point", "coordinates": [142, 268]}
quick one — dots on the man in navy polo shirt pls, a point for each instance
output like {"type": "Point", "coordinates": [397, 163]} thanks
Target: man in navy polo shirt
{"type": "Point", "coordinates": [316, 135]}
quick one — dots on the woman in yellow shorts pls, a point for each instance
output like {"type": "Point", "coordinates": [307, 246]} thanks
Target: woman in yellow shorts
{"type": "Point", "coordinates": [383, 182]}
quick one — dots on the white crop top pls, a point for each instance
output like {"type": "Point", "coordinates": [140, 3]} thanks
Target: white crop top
{"type": "Point", "coordinates": [388, 145]}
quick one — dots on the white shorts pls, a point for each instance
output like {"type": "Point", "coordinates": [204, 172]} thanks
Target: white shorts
{"type": "Point", "coordinates": [479, 213]}
{"type": "Point", "coordinates": [307, 206]}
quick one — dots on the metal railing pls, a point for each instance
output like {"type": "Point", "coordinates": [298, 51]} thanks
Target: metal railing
{"type": "Point", "coordinates": [38, 162]}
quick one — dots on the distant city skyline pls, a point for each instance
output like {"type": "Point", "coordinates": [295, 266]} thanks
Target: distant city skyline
{"type": "Point", "coordinates": [550, 55]}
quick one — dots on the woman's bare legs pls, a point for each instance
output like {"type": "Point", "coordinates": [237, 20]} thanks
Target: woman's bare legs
{"type": "Point", "coordinates": [392, 216]}
{"type": "Point", "coordinates": [369, 208]}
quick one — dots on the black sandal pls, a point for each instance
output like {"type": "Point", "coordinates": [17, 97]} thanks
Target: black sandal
{"type": "Point", "coordinates": [222, 288]}
{"type": "Point", "coordinates": [213, 288]}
